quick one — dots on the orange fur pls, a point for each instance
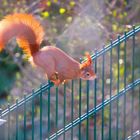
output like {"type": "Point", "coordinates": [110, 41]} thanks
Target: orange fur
{"type": "Point", "coordinates": [88, 62]}
{"type": "Point", "coordinates": [25, 28]}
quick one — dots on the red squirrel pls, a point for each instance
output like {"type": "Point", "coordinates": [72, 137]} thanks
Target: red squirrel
{"type": "Point", "coordinates": [57, 65]}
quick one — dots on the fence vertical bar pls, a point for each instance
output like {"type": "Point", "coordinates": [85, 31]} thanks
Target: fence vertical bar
{"type": "Point", "coordinates": [41, 113]}
{"type": "Point", "coordinates": [124, 106]}
{"type": "Point", "coordinates": [49, 123]}
{"type": "Point", "coordinates": [118, 87]}
{"type": "Point", "coordinates": [72, 106]}
{"type": "Point", "coordinates": [133, 63]}
{"type": "Point", "coordinates": [87, 126]}
{"type": "Point", "coordinates": [139, 106]}
{"type": "Point", "coordinates": [80, 105]}
{"type": "Point", "coordinates": [9, 116]}
{"type": "Point", "coordinates": [25, 118]}
{"type": "Point", "coordinates": [103, 64]}
{"type": "Point", "coordinates": [95, 96]}
{"type": "Point", "coordinates": [139, 95]}
{"type": "Point", "coordinates": [110, 107]}
{"type": "Point", "coordinates": [64, 113]}
{"type": "Point", "coordinates": [56, 118]}
{"type": "Point", "coordinates": [17, 119]}
{"type": "Point", "coordinates": [32, 116]}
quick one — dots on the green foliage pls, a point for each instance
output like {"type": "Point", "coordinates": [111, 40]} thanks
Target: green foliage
{"type": "Point", "coordinates": [6, 81]}
{"type": "Point", "coordinates": [7, 73]}
{"type": "Point", "coordinates": [121, 13]}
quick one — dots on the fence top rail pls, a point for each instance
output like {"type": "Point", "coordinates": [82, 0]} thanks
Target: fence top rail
{"type": "Point", "coordinates": [116, 42]}
{"type": "Point", "coordinates": [44, 88]}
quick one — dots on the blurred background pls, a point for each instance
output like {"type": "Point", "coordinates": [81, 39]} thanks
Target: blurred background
{"type": "Point", "coordinates": [75, 26]}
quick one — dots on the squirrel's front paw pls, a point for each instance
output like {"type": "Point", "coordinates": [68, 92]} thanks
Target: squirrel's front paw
{"type": "Point", "coordinates": [55, 79]}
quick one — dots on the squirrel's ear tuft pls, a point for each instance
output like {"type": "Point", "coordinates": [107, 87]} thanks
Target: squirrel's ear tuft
{"type": "Point", "coordinates": [86, 63]}
{"type": "Point", "coordinates": [89, 60]}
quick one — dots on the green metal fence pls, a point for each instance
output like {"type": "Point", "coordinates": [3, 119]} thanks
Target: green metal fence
{"type": "Point", "coordinates": [105, 109]}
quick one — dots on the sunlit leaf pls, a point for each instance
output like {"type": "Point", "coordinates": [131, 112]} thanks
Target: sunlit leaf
{"type": "Point", "coordinates": [121, 16]}
{"type": "Point", "coordinates": [106, 113]}
{"type": "Point", "coordinates": [121, 71]}
{"type": "Point", "coordinates": [5, 3]}
{"type": "Point", "coordinates": [62, 10]}
{"type": "Point", "coordinates": [54, 30]}
{"type": "Point", "coordinates": [18, 75]}
{"type": "Point", "coordinates": [48, 3]}
{"type": "Point", "coordinates": [20, 117]}
{"type": "Point", "coordinates": [72, 3]}
{"type": "Point", "coordinates": [120, 61]}
{"type": "Point", "coordinates": [69, 19]}
{"type": "Point", "coordinates": [55, 1]}
{"type": "Point", "coordinates": [9, 98]}
{"type": "Point", "coordinates": [114, 13]}
{"type": "Point", "coordinates": [114, 27]}
{"type": "Point", "coordinates": [45, 14]}
{"type": "Point", "coordinates": [125, 14]}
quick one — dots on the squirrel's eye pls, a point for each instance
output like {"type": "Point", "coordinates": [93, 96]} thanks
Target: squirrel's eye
{"type": "Point", "coordinates": [87, 74]}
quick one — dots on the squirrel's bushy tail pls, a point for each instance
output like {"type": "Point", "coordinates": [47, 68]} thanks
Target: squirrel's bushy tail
{"type": "Point", "coordinates": [27, 30]}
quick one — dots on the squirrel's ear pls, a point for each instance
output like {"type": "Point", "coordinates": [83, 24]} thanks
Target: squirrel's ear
{"type": "Point", "coordinates": [86, 63]}
{"type": "Point", "coordinates": [89, 60]}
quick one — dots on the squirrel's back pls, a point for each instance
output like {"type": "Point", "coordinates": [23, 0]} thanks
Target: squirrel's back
{"type": "Point", "coordinates": [27, 30]}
